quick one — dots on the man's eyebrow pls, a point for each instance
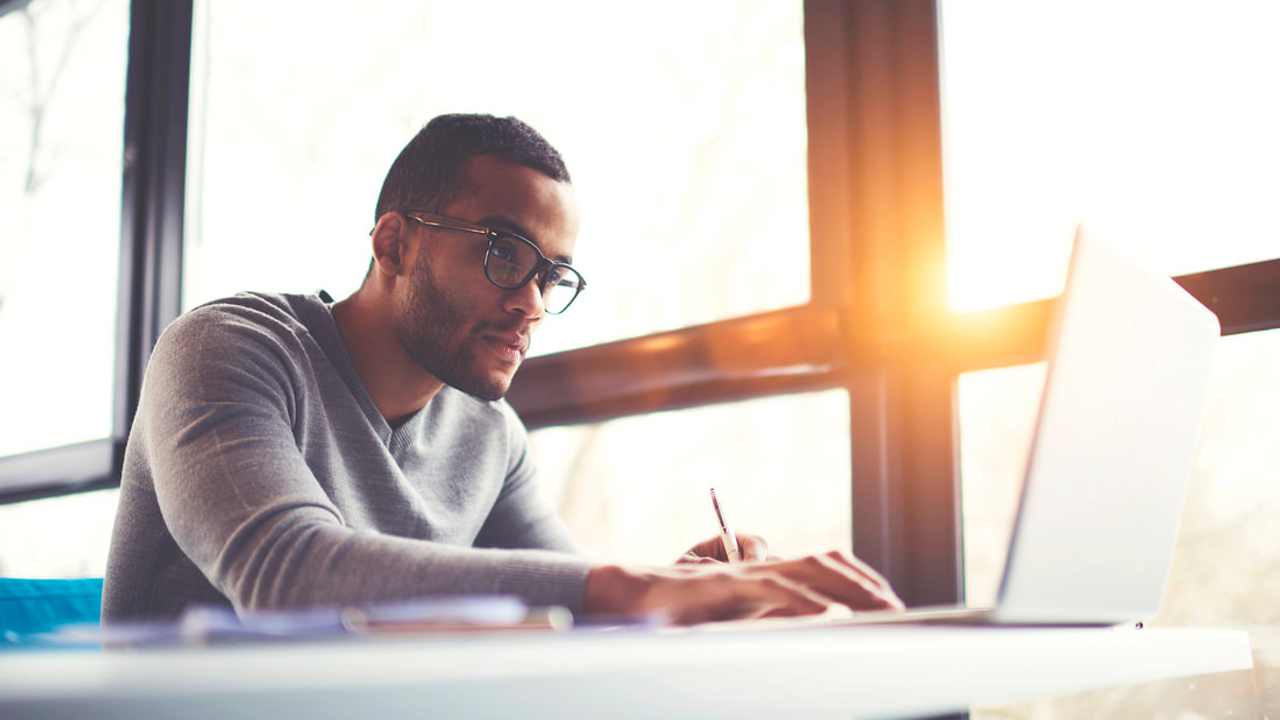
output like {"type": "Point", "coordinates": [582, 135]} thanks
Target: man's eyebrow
{"type": "Point", "coordinates": [502, 222]}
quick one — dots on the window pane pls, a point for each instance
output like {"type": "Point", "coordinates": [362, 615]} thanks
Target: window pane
{"type": "Point", "coordinates": [1153, 123]}
{"type": "Point", "coordinates": [636, 489]}
{"type": "Point", "coordinates": [62, 107]}
{"type": "Point", "coordinates": [63, 537]}
{"type": "Point", "coordinates": [1225, 567]}
{"type": "Point", "coordinates": [686, 141]}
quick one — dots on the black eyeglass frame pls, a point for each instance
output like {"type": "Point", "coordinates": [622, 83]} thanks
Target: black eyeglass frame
{"type": "Point", "coordinates": [493, 234]}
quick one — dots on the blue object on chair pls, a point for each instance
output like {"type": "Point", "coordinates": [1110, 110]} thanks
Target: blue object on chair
{"type": "Point", "coordinates": [35, 606]}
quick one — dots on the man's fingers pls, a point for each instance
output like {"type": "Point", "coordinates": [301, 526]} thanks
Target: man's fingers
{"type": "Point", "coordinates": [753, 548]}
{"type": "Point", "coordinates": [696, 594]}
{"type": "Point", "coordinates": [707, 549]}
{"type": "Point", "coordinates": [835, 576]}
{"type": "Point", "coordinates": [705, 590]}
{"type": "Point", "coordinates": [690, 559]}
{"type": "Point", "coordinates": [860, 567]}
{"type": "Point", "coordinates": [733, 597]}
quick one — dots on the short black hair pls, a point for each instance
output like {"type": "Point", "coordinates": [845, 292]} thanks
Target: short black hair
{"type": "Point", "coordinates": [427, 173]}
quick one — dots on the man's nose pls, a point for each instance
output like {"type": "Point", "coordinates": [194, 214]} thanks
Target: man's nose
{"type": "Point", "coordinates": [527, 299]}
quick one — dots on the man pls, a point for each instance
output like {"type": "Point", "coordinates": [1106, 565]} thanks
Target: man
{"type": "Point", "coordinates": [290, 452]}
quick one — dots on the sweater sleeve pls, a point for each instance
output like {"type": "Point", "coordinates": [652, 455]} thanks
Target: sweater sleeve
{"type": "Point", "coordinates": [217, 415]}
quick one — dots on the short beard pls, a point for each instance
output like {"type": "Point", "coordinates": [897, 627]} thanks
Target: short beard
{"type": "Point", "coordinates": [431, 331]}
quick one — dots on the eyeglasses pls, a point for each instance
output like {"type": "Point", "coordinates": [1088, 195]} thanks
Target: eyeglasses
{"type": "Point", "coordinates": [512, 261]}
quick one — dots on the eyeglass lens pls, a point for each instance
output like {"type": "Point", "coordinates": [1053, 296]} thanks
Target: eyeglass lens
{"type": "Point", "coordinates": [511, 262]}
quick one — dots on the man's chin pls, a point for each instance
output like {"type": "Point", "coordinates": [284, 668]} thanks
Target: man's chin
{"type": "Point", "coordinates": [476, 374]}
{"type": "Point", "coordinates": [487, 388]}
{"type": "Point", "coordinates": [490, 394]}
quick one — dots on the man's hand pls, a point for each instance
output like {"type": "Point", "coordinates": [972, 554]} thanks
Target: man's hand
{"type": "Point", "coordinates": [753, 549]}
{"type": "Point", "coordinates": [689, 594]}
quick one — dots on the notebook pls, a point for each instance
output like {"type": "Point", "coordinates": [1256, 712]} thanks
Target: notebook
{"type": "Point", "coordinates": [1112, 454]}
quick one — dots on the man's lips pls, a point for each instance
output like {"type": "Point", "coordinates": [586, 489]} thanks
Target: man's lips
{"type": "Point", "coordinates": [509, 343]}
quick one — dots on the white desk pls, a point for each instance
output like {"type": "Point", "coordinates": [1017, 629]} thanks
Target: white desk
{"type": "Point", "coordinates": [804, 673]}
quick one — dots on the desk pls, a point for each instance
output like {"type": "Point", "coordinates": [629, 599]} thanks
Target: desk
{"type": "Point", "coordinates": [795, 673]}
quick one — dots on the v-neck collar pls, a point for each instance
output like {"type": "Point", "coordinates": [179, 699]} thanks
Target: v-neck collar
{"type": "Point", "coordinates": [324, 328]}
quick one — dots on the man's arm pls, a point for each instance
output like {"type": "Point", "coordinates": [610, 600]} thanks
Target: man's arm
{"type": "Point", "coordinates": [218, 415]}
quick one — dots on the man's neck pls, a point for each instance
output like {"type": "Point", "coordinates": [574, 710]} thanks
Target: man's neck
{"type": "Point", "coordinates": [398, 385]}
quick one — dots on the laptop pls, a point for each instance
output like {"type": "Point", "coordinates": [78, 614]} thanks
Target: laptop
{"type": "Point", "coordinates": [1112, 454]}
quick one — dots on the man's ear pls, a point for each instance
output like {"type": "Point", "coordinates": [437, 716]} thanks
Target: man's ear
{"type": "Point", "coordinates": [389, 236]}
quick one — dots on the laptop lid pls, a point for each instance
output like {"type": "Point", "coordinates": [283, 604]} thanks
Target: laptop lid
{"type": "Point", "coordinates": [1112, 454]}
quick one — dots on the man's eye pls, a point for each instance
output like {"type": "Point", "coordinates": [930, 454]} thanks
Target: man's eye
{"type": "Point", "coordinates": [504, 271]}
{"type": "Point", "coordinates": [502, 251]}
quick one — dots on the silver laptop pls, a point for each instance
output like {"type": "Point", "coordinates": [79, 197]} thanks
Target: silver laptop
{"type": "Point", "coordinates": [1112, 454]}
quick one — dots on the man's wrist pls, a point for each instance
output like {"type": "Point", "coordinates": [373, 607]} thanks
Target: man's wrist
{"type": "Point", "coordinates": [612, 590]}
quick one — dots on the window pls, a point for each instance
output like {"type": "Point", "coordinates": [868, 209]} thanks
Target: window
{"type": "Point", "coordinates": [786, 261]}
{"type": "Point", "coordinates": [686, 141]}
{"type": "Point", "coordinates": [1145, 122]}
{"type": "Point", "coordinates": [61, 537]}
{"type": "Point", "coordinates": [62, 105]}
{"type": "Point", "coordinates": [62, 99]}
{"type": "Point", "coordinates": [1148, 122]}
{"type": "Point", "coordinates": [636, 489]}
{"type": "Point", "coordinates": [1133, 119]}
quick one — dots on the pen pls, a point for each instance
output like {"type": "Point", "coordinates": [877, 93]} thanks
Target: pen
{"type": "Point", "coordinates": [726, 533]}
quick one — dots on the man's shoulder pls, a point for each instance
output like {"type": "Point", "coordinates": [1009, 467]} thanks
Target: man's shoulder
{"type": "Point", "coordinates": [275, 314]}
{"type": "Point", "coordinates": [256, 307]}
{"type": "Point", "coordinates": [247, 325]}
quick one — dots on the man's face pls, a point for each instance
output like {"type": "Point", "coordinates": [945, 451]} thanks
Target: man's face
{"type": "Point", "coordinates": [467, 332]}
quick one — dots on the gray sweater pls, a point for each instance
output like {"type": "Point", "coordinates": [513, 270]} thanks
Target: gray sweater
{"type": "Point", "coordinates": [259, 474]}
